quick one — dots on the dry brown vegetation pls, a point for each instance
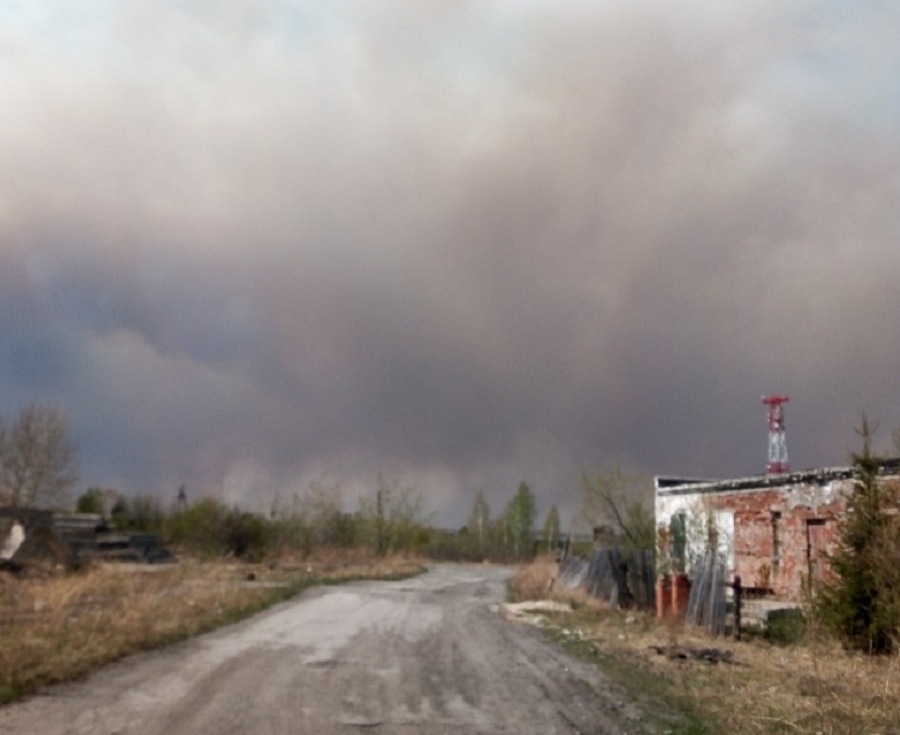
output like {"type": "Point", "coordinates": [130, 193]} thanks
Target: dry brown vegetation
{"type": "Point", "coordinates": [60, 627]}
{"type": "Point", "coordinates": [812, 687]}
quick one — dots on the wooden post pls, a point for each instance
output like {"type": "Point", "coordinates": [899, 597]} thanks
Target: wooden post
{"type": "Point", "coordinates": [736, 586]}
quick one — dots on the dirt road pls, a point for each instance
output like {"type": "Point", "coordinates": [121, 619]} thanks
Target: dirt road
{"type": "Point", "coordinates": [434, 654]}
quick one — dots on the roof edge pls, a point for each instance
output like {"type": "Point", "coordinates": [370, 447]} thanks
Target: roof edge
{"type": "Point", "coordinates": [669, 485]}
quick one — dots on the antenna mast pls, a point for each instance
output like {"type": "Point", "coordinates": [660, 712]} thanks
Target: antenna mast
{"type": "Point", "coordinates": [778, 454]}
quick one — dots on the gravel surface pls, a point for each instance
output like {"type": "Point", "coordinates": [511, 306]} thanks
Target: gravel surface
{"type": "Point", "coordinates": [433, 654]}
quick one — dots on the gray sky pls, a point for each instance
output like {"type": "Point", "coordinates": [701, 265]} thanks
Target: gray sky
{"type": "Point", "coordinates": [250, 245]}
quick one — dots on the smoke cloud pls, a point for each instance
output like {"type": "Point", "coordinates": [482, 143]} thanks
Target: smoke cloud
{"type": "Point", "coordinates": [460, 243]}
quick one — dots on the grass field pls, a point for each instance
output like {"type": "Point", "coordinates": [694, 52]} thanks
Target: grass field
{"type": "Point", "coordinates": [811, 687]}
{"type": "Point", "coordinates": [61, 627]}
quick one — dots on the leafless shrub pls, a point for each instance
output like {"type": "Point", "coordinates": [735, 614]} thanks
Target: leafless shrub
{"type": "Point", "coordinates": [614, 498]}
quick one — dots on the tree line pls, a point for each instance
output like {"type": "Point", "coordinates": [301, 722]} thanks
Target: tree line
{"type": "Point", "coordinates": [392, 519]}
{"type": "Point", "coordinates": [38, 469]}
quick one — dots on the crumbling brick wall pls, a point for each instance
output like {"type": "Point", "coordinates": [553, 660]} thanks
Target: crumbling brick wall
{"type": "Point", "coordinates": [783, 535]}
{"type": "Point", "coordinates": [781, 528]}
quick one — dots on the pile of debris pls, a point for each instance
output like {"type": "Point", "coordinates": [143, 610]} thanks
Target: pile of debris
{"type": "Point", "coordinates": [709, 655]}
{"type": "Point", "coordinates": [44, 540]}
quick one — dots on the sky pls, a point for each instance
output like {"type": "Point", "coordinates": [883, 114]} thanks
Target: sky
{"type": "Point", "coordinates": [252, 246]}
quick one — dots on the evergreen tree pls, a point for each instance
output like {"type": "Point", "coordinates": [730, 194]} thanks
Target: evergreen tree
{"type": "Point", "coordinates": [520, 516]}
{"type": "Point", "coordinates": [862, 606]}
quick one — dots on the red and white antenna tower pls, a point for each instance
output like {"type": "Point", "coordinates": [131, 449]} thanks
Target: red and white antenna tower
{"type": "Point", "coordinates": [778, 455]}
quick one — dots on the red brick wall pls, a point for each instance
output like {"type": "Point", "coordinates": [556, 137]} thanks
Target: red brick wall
{"type": "Point", "coordinates": [799, 520]}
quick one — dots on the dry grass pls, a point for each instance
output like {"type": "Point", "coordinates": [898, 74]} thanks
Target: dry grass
{"type": "Point", "coordinates": [59, 628]}
{"type": "Point", "coordinates": [808, 688]}
{"type": "Point", "coordinates": [534, 581]}
{"type": "Point", "coordinates": [344, 564]}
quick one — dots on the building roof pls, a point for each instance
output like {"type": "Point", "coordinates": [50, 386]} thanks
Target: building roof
{"type": "Point", "coordinates": [668, 485]}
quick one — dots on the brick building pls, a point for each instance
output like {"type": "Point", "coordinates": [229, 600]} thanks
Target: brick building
{"type": "Point", "coordinates": [775, 531]}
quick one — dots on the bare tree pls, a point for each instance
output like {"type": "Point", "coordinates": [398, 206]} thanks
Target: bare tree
{"type": "Point", "coordinates": [624, 502]}
{"type": "Point", "coordinates": [394, 519]}
{"type": "Point", "coordinates": [37, 459]}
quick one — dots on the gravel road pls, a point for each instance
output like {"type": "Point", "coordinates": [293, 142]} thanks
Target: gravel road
{"type": "Point", "coordinates": [433, 654]}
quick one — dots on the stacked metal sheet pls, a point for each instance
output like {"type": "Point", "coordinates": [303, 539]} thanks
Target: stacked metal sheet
{"type": "Point", "coordinates": [624, 579]}
{"type": "Point", "coordinates": [707, 603]}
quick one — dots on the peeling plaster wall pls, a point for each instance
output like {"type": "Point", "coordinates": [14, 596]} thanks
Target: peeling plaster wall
{"type": "Point", "coordinates": [784, 527]}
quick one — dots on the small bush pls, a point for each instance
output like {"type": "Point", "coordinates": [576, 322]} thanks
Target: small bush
{"type": "Point", "coordinates": [785, 627]}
